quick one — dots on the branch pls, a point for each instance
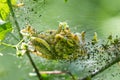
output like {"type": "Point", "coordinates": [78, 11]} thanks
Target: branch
{"type": "Point", "coordinates": [18, 29]}
{"type": "Point", "coordinates": [33, 64]}
{"type": "Point", "coordinates": [14, 17]}
{"type": "Point", "coordinates": [54, 72]}
{"type": "Point", "coordinates": [117, 59]}
{"type": "Point", "coordinates": [9, 45]}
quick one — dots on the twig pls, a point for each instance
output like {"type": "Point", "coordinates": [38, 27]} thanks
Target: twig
{"type": "Point", "coordinates": [33, 64]}
{"type": "Point", "coordinates": [47, 72]}
{"type": "Point", "coordinates": [13, 15]}
{"type": "Point", "coordinates": [117, 59]}
{"type": "Point", "coordinates": [71, 75]}
{"type": "Point", "coordinates": [54, 72]}
{"type": "Point", "coordinates": [18, 29]}
{"type": "Point", "coordinates": [9, 45]}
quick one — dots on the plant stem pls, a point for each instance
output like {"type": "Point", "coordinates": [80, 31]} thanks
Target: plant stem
{"type": "Point", "coordinates": [18, 29]}
{"type": "Point", "coordinates": [33, 64]}
{"type": "Point", "coordinates": [117, 59]}
{"type": "Point", "coordinates": [54, 72]}
{"type": "Point", "coordinates": [14, 17]}
{"type": "Point", "coordinates": [73, 78]}
{"type": "Point", "coordinates": [9, 45]}
{"type": "Point", "coordinates": [107, 66]}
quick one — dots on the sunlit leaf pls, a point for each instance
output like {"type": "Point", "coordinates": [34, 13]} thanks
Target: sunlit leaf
{"type": "Point", "coordinates": [4, 9]}
{"type": "Point", "coordinates": [4, 29]}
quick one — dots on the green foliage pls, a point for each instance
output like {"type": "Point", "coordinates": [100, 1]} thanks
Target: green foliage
{"type": "Point", "coordinates": [4, 29]}
{"type": "Point", "coordinates": [34, 12]}
{"type": "Point", "coordinates": [4, 9]}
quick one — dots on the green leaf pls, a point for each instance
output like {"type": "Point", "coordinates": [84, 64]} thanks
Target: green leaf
{"type": "Point", "coordinates": [4, 9]}
{"type": "Point", "coordinates": [4, 29]}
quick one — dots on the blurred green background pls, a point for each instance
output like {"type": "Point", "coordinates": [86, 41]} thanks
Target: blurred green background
{"type": "Point", "coordinates": [101, 16]}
